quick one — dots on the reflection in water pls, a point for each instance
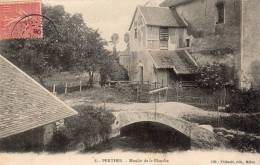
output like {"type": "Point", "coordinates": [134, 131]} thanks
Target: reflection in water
{"type": "Point", "coordinates": [146, 137]}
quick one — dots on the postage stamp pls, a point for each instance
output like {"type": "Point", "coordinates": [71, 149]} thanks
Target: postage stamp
{"type": "Point", "coordinates": [20, 19]}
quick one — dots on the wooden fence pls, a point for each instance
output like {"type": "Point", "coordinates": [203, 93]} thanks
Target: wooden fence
{"type": "Point", "coordinates": [185, 92]}
{"type": "Point", "coordinates": [68, 87]}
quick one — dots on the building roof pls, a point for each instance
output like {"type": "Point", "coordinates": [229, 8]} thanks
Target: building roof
{"type": "Point", "coordinates": [178, 60]}
{"type": "Point", "coordinates": [160, 16]}
{"type": "Point", "coordinates": [24, 103]}
{"type": "Point", "coordinates": [172, 3]}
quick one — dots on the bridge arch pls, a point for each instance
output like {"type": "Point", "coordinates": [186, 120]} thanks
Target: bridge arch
{"type": "Point", "coordinates": [198, 136]}
{"type": "Point", "coordinates": [154, 135]}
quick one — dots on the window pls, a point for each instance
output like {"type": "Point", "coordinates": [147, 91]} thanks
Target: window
{"type": "Point", "coordinates": [221, 12]}
{"type": "Point", "coordinates": [135, 33]}
{"type": "Point", "coordinates": [187, 42]}
{"type": "Point", "coordinates": [164, 37]}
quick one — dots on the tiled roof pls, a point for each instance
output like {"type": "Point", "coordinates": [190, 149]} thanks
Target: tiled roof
{"type": "Point", "coordinates": [160, 16]}
{"type": "Point", "coordinates": [171, 3]}
{"type": "Point", "coordinates": [178, 60]}
{"type": "Point", "coordinates": [25, 104]}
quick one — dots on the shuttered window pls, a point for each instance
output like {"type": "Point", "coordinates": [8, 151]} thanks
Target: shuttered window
{"type": "Point", "coordinates": [164, 38]}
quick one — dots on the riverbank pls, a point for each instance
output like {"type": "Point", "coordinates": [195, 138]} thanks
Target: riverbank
{"type": "Point", "coordinates": [247, 123]}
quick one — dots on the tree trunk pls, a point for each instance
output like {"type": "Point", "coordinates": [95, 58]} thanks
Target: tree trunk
{"type": "Point", "coordinates": [103, 77]}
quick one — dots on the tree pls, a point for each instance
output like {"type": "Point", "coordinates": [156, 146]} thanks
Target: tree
{"type": "Point", "coordinates": [92, 56]}
{"type": "Point", "coordinates": [67, 45]}
{"type": "Point", "coordinates": [39, 57]}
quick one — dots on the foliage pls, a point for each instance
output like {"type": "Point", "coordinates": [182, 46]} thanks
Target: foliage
{"type": "Point", "coordinates": [73, 46]}
{"type": "Point", "coordinates": [58, 143]}
{"type": "Point", "coordinates": [89, 124]}
{"type": "Point", "coordinates": [246, 101]}
{"type": "Point", "coordinates": [211, 76]}
{"type": "Point", "coordinates": [249, 123]}
{"type": "Point", "coordinates": [246, 143]}
{"type": "Point", "coordinates": [111, 69]}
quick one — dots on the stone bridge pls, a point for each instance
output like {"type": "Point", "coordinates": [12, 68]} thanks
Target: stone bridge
{"type": "Point", "coordinates": [168, 114]}
{"type": "Point", "coordinates": [172, 114]}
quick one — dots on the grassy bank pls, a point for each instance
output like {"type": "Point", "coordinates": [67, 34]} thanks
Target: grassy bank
{"type": "Point", "coordinates": [99, 95]}
{"type": "Point", "coordinates": [247, 123]}
{"type": "Point", "coordinates": [241, 131]}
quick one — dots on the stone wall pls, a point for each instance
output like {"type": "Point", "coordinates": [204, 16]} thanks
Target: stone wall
{"type": "Point", "coordinates": [201, 17]}
{"type": "Point", "coordinates": [28, 141]}
{"type": "Point", "coordinates": [210, 41]}
{"type": "Point", "coordinates": [32, 140]}
{"type": "Point", "coordinates": [250, 57]}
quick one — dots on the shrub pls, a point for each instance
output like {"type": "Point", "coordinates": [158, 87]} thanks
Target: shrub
{"type": "Point", "coordinates": [90, 126]}
{"type": "Point", "coordinates": [248, 123]}
{"type": "Point", "coordinates": [244, 101]}
{"type": "Point", "coordinates": [58, 143]}
{"type": "Point", "coordinates": [212, 76]}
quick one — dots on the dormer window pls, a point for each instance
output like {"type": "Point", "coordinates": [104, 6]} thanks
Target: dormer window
{"type": "Point", "coordinates": [221, 12]}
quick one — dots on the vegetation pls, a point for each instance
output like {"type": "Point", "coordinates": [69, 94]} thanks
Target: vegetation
{"type": "Point", "coordinates": [108, 95]}
{"type": "Point", "coordinates": [243, 129]}
{"type": "Point", "coordinates": [249, 123]}
{"type": "Point", "coordinates": [72, 47]}
{"type": "Point", "coordinates": [59, 142]}
{"type": "Point", "coordinates": [89, 127]}
{"type": "Point", "coordinates": [246, 101]}
{"type": "Point", "coordinates": [212, 76]}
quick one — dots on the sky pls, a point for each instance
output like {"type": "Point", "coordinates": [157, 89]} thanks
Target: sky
{"type": "Point", "coordinates": [108, 16]}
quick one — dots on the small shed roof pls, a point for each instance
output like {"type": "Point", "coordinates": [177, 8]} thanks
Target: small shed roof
{"type": "Point", "coordinates": [178, 60]}
{"type": "Point", "coordinates": [24, 103]}
{"type": "Point", "coordinates": [160, 16]}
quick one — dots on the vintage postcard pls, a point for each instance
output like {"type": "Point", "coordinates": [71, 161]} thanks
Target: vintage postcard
{"type": "Point", "coordinates": [156, 82]}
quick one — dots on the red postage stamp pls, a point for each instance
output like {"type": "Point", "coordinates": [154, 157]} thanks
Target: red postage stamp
{"type": "Point", "coordinates": [20, 19]}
